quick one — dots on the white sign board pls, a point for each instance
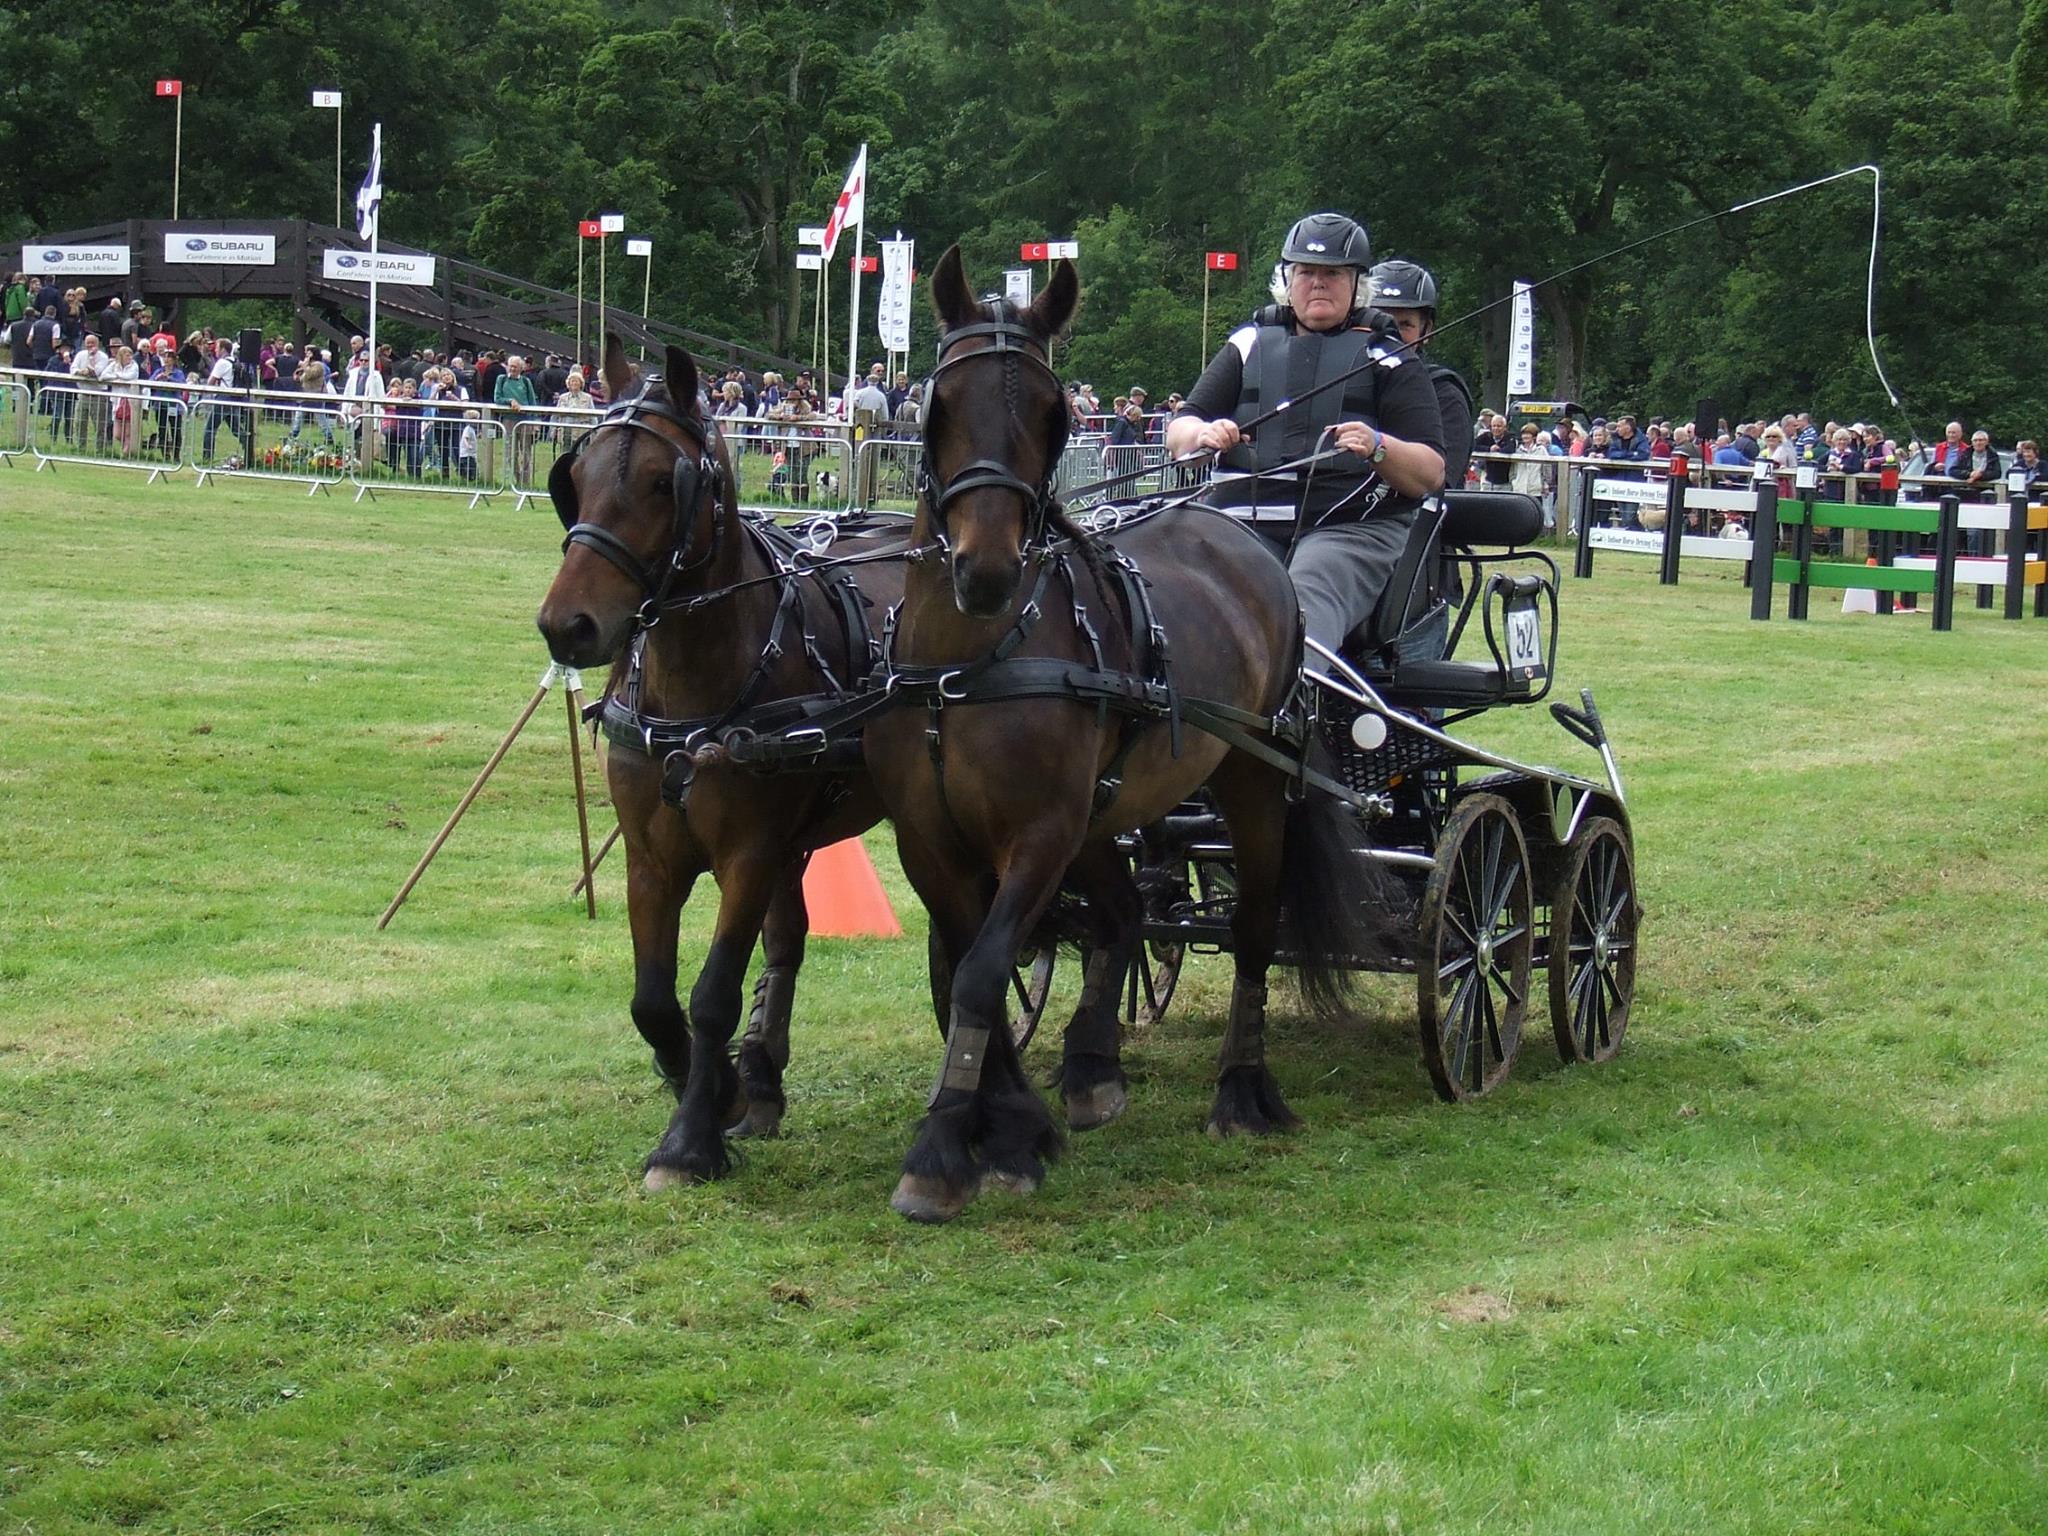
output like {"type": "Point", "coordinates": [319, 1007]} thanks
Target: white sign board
{"type": "Point", "coordinates": [1642, 541]}
{"type": "Point", "coordinates": [78, 260]}
{"type": "Point", "coordinates": [612, 223]}
{"type": "Point", "coordinates": [391, 267]}
{"type": "Point", "coordinates": [1522, 344]}
{"type": "Point", "coordinates": [892, 309]}
{"type": "Point", "coordinates": [1642, 492]}
{"type": "Point", "coordinates": [327, 99]}
{"type": "Point", "coordinates": [638, 246]}
{"type": "Point", "coordinates": [1055, 249]}
{"type": "Point", "coordinates": [809, 261]}
{"type": "Point", "coordinates": [810, 234]}
{"type": "Point", "coordinates": [189, 248]}
{"type": "Point", "coordinates": [1017, 286]}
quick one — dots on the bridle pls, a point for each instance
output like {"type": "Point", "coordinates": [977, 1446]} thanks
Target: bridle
{"type": "Point", "coordinates": [1011, 343]}
{"type": "Point", "coordinates": [692, 477]}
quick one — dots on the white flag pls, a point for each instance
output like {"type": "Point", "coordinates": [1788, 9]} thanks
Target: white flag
{"type": "Point", "coordinates": [852, 204]}
{"type": "Point", "coordinates": [327, 99]}
{"type": "Point", "coordinates": [370, 195]}
{"type": "Point", "coordinates": [892, 309]}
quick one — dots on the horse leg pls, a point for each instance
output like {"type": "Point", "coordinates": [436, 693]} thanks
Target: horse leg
{"type": "Point", "coordinates": [764, 1050]}
{"type": "Point", "coordinates": [694, 1147]}
{"type": "Point", "coordinates": [982, 1120]}
{"type": "Point", "coordinates": [656, 890]}
{"type": "Point", "coordinates": [1253, 801]}
{"type": "Point", "coordinates": [1091, 1075]}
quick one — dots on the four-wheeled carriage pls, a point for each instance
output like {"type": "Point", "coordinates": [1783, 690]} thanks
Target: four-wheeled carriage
{"type": "Point", "coordinates": [1509, 869]}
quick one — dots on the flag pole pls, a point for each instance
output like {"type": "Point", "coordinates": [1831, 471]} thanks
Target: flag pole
{"type": "Point", "coordinates": [860, 205]}
{"type": "Point", "coordinates": [1203, 360]}
{"type": "Point", "coordinates": [178, 150]}
{"type": "Point", "coordinates": [376, 231]}
{"type": "Point", "coordinates": [603, 240]}
{"type": "Point", "coordinates": [646, 297]}
{"type": "Point", "coordinates": [825, 352]}
{"type": "Point", "coordinates": [337, 167]}
{"type": "Point", "coordinates": [579, 295]}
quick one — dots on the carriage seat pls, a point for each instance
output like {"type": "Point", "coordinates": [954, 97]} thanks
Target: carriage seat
{"type": "Point", "coordinates": [1464, 520]}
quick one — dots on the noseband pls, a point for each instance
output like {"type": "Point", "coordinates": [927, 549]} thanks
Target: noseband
{"type": "Point", "coordinates": [1010, 342]}
{"type": "Point", "coordinates": [692, 477]}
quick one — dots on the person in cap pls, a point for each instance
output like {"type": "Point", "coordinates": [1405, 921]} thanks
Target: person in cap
{"type": "Point", "coordinates": [1342, 522]}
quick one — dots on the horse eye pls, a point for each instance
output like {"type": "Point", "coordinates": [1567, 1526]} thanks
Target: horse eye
{"type": "Point", "coordinates": [664, 486]}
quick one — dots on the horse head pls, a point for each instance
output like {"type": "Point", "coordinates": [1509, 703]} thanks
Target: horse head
{"type": "Point", "coordinates": [639, 498]}
{"type": "Point", "coordinates": [995, 422]}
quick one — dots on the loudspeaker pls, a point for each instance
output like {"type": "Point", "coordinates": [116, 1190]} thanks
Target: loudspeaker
{"type": "Point", "coordinates": [1706, 422]}
{"type": "Point", "coordinates": [249, 346]}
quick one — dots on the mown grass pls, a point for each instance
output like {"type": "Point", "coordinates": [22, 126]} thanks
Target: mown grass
{"type": "Point", "coordinates": [309, 1228]}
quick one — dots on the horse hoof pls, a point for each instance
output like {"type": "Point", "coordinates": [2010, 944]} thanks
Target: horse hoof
{"type": "Point", "coordinates": [1005, 1182]}
{"type": "Point", "coordinates": [926, 1199]}
{"type": "Point", "coordinates": [1092, 1108]}
{"type": "Point", "coordinates": [761, 1122]}
{"type": "Point", "coordinates": [661, 1177]}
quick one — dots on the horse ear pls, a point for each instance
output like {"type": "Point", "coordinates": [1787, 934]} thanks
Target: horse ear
{"type": "Point", "coordinates": [952, 300]}
{"type": "Point", "coordinates": [1052, 309]}
{"type": "Point", "coordinates": [679, 372]}
{"type": "Point", "coordinates": [618, 373]}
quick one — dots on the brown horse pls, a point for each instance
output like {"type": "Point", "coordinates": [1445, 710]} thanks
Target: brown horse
{"type": "Point", "coordinates": [996, 788]}
{"type": "Point", "coordinates": [657, 547]}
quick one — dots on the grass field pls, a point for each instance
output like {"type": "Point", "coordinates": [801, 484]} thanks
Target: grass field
{"type": "Point", "coordinates": [308, 1228]}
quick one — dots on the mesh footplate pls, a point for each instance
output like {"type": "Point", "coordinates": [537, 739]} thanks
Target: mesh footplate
{"type": "Point", "coordinates": [1367, 773]}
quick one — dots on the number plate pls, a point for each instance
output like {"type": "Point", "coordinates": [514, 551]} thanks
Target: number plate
{"type": "Point", "coordinates": [1525, 641]}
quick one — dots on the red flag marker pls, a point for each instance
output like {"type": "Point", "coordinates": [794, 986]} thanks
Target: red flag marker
{"type": "Point", "coordinates": [170, 87]}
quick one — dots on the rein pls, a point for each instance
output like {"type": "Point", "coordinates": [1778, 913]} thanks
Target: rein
{"type": "Point", "coordinates": [1010, 342]}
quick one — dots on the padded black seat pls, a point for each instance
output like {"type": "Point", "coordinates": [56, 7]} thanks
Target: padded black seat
{"type": "Point", "coordinates": [1506, 519]}
{"type": "Point", "coordinates": [1451, 685]}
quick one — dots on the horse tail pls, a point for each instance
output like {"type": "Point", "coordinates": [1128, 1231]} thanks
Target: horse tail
{"type": "Point", "coordinates": [1344, 910]}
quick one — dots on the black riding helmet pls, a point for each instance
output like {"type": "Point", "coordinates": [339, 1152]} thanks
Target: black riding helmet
{"type": "Point", "coordinates": [1399, 284]}
{"type": "Point", "coordinates": [1328, 240]}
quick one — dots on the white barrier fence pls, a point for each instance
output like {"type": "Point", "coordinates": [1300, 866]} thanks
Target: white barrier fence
{"type": "Point", "coordinates": [133, 427]}
{"type": "Point", "coordinates": [15, 405]}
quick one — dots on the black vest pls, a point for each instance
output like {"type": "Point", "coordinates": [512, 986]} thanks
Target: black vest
{"type": "Point", "coordinates": [1285, 365]}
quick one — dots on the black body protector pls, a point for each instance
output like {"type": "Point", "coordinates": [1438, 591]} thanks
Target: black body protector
{"type": "Point", "coordinates": [1285, 364]}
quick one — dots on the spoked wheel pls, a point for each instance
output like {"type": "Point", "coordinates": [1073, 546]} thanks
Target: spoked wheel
{"type": "Point", "coordinates": [1154, 975]}
{"type": "Point", "coordinates": [1472, 974]}
{"type": "Point", "coordinates": [1593, 917]}
{"type": "Point", "coordinates": [1030, 986]}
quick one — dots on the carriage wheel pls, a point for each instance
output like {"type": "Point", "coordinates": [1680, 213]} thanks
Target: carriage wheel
{"type": "Point", "coordinates": [1472, 973]}
{"type": "Point", "coordinates": [1030, 983]}
{"type": "Point", "coordinates": [1593, 918]}
{"type": "Point", "coordinates": [1153, 977]}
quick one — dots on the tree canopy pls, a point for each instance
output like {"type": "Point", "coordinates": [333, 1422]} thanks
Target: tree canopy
{"type": "Point", "coordinates": [1490, 142]}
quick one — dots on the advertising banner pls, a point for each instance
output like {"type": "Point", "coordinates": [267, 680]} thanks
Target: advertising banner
{"type": "Point", "coordinates": [76, 260]}
{"type": "Point", "coordinates": [892, 309]}
{"type": "Point", "coordinates": [391, 267]}
{"type": "Point", "coordinates": [192, 248]}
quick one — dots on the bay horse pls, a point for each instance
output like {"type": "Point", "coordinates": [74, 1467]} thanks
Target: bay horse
{"type": "Point", "coordinates": [699, 612]}
{"type": "Point", "coordinates": [663, 577]}
{"type": "Point", "coordinates": [998, 785]}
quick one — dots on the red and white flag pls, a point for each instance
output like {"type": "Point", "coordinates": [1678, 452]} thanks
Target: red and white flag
{"type": "Point", "coordinates": [1222, 261]}
{"type": "Point", "coordinates": [170, 87]}
{"type": "Point", "coordinates": [589, 229]}
{"type": "Point", "coordinates": [853, 199]}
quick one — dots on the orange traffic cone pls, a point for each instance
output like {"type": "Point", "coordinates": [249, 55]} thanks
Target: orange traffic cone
{"type": "Point", "coordinates": [845, 895]}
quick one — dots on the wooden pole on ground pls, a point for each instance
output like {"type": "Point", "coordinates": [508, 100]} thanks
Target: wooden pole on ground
{"type": "Point", "coordinates": [573, 697]}
{"type": "Point", "coordinates": [603, 849]}
{"type": "Point", "coordinates": [556, 673]}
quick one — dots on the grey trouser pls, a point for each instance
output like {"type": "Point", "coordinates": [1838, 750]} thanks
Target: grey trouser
{"type": "Point", "coordinates": [1340, 572]}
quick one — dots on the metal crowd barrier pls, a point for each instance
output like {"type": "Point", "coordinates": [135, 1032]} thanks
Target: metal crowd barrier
{"type": "Point", "coordinates": [460, 449]}
{"type": "Point", "coordinates": [266, 435]}
{"type": "Point", "coordinates": [885, 474]}
{"type": "Point", "coordinates": [15, 404]}
{"type": "Point", "coordinates": [133, 427]}
{"type": "Point", "coordinates": [538, 438]}
{"type": "Point", "coordinates": [787, 467]}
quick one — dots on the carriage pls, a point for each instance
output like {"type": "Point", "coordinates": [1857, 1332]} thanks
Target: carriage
{"type": "Point", "coordinates": [1096, 727]}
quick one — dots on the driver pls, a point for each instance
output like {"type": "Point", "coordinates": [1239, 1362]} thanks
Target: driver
{"type": "Point", "coordinates": [1340, 524]}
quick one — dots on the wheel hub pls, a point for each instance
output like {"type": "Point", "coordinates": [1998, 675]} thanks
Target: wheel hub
{"type": "Point", "coordinates": [1600, 950]}
{"type": "Point", "coordinates": [1485, 951]}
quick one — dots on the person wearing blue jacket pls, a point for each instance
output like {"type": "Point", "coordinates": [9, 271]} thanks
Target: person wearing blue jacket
{"type": "Point", "coordinates": [1625, 442]}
